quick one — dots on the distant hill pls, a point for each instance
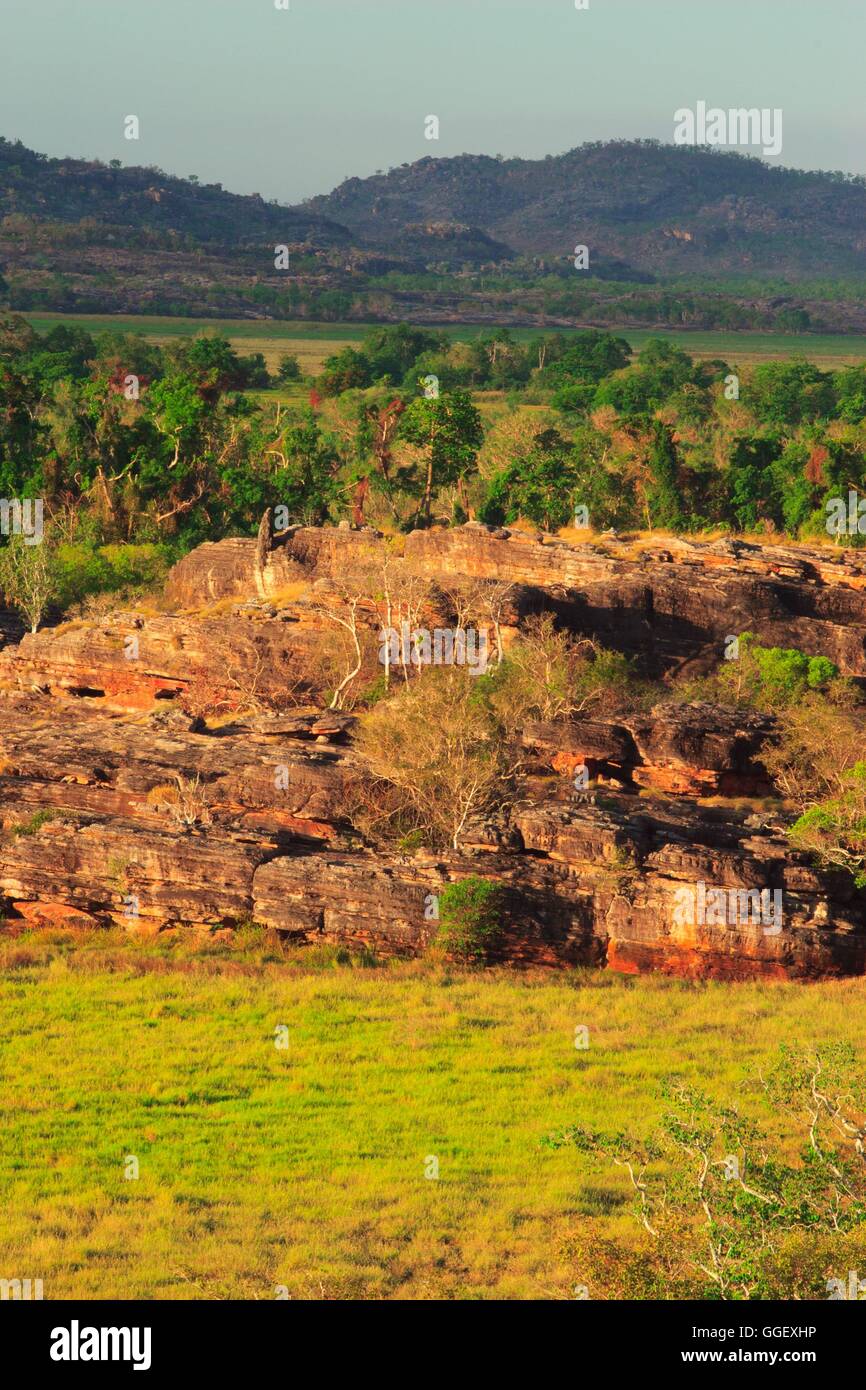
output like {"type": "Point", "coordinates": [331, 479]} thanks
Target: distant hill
{"type": "Point", "coordinates": [469, 239]}
{"type": "Point", "coordinates": [70, 190]}
{"type": "Point", "coordinates": [659, 208]}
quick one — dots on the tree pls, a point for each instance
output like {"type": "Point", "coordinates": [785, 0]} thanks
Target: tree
{"type": "Point", "coordinates": [346, 370]}
{"type": "Point", "coordinates": [750, 480]}
{"type": "Point", "coordinates": [724, 1210]}
{"type": "Point", "coordinates": [28, 578]}
{"type": "Point", "coordinates": [835, 829]}
{"type": "Point", "coordinates": [548, 675]}
{"type": "Point", "coordinates": [539, 485]}
{"type": "Point", "coordinates": [788, 393]}
{"type": "Point", "coordinates": [771, 678]}
{"type": "Point", "coordinates": [470, 918]}
{"type": "Point", "coordinates": [178, 410]}
{"type": "Point", "coordinates": [434, 747]}
{"type": "Point", "coordinates": [449, 428]}
{"type": "Point", "coordinates": [307, 484]}
{"type": "Point", "coordinates": [345, 606]}
{"type": "Point", "coordinates": [585, 361]}
{"type": "Point", "coordinates": [374, 438]}
{"type": "Point", "coordinates": [664, 495]}
{"type": "Point", "coordinates": [289, 368]}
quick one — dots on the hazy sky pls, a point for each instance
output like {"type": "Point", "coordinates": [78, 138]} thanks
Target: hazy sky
{"type": "Point", "coordinates": [287, 104]}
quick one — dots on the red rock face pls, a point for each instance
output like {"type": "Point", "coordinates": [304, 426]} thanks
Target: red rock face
{"type": "Point", "coordinates": [672, 599]}
{"type": "Point", "coordinates": [120, 808]}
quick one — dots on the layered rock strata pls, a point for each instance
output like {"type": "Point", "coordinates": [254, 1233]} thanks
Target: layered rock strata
{"type": "Point", "coordinates": [118, 807]}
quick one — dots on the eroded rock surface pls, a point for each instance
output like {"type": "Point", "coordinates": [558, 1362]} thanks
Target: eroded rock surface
{"type": "Point", "coordinates": [121, 806]}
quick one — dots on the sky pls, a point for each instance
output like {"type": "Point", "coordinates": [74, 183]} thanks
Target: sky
{"type": "Point", "coordinates": [289, 102]}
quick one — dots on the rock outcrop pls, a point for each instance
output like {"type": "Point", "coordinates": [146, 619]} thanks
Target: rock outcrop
{"type": "Point", "coordinates": [120, 805]}
{"type": "Point", "coordinates": [664, 602]}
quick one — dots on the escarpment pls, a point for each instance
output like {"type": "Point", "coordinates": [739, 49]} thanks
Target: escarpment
{"type": "Point", "coordinates": [172, 767]}
{"type": "Point", "coordinates": [665, 600]}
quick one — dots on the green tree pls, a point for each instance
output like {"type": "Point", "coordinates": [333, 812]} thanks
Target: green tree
{"type": "Point", "coordinates": [835, 830]}
{"type": "Point", "coordinates": [449, 429]}
{"type": "Point", "coordinates": [723, 1208]}
{"type": "Point", "coordinates": [540, 485]}
{"type": "Point", "coordinates": [288, 369]}
{"type": "Point", "coordinates": [28, 578]}
{"type": "Point", "coordinates": [789, 393]}
{"type": "Point", "coordinates": [308, 485]}
{"type": "Point", "coordinates": [664, 494]}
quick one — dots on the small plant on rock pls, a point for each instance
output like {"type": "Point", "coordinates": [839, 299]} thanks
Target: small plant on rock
{"type": "Point", "coordinates": [186, 803]}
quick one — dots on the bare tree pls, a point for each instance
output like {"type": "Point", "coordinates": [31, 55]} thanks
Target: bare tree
{"type": "Point", "coordinates": [435, 747]}
{"type": "Point", "coordinates": [346, 606]}
{"type": "Point", "coordinates": [28, 578]}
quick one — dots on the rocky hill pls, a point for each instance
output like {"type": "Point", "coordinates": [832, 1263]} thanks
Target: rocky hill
{"type": "Point", "coordinates": [655, 208]}
{"type": "Point", "coordinates": [122, 805]}
{"type": "Point", "coordinates": [468, 239]}
{"type": "Point", "coordinates": [147, 199]}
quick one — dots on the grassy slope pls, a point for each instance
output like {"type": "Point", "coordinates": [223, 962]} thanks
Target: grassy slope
{"type": "Point", "coordinates": [305, 1167]}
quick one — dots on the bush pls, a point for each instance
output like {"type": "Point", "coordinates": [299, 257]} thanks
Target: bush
{"type": "Point", "coordinates": [725, 1208]}
{"type": "Point", "coordinates": [835, 830]}
{"type": "Point", "coordinates": [436, 758]}
{"type": "Point", "coordinates": [29, 578]}
{"type": "Point", "coordinates": [83, 569]}
{"type": "Point", "coordinates": [548, 675]}
{"type": "Point", "coordinates": [774, 677]}
{"type": "Point", "coordinates": [470, 918]}
{"type": "Point", "coordinates": [289, 368]}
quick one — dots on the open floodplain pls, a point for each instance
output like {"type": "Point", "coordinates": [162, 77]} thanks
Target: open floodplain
{"type": "Point", "coordinates": [239, 1121]}
{"type": "Point", "coordinates": [312, 342]}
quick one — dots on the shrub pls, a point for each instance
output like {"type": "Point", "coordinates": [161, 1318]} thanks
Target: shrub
{"type": "Point", "coordinates": [186, 803]}
{"type": "Point", "coordinates": [35, 823]}
{"type": "Point", "coordinates": [470, 918]}
{"type": "Point", "coordinates": [83, 570]}
{"type": "Point", "coordinates": [724, 1209]}
{"type": "Point", "coordinates": [549, 674]}
{"type": "Point", "coordinates": [771, 677]}
{"type": "Point", "coordinates": [289, 368]}
{"type": "Point", "coordinates": [435, 753]}
{"type": "Point", "coordinates": [29, 578]}
{"type": "Point", "coordinates": [816, 745]}
{"type": "Point", "coordinates": [835, 830]}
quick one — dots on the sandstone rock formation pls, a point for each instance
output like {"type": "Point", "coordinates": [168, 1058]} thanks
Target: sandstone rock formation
{"type": "Point", "coordinates": [121, 806]}
{"type": "Point", "coordinates": [664, 601]}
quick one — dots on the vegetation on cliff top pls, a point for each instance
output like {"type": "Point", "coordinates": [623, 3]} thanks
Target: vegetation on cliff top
{"type": "Point", "coordinates": [129, 444]}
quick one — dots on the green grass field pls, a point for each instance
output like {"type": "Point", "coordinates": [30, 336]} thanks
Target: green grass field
{"type": "Point", "coordinates": [313, 342]}
{"type": "Point", "coordinates": [305, 1167]}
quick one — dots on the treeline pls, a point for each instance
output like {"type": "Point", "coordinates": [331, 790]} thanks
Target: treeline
{"type": "Point", "coordinates": [663, 441]}
{"type": "Point", "coordinates": [131, 444]}
{"type": "Point", "coordinates": [233, 291]}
